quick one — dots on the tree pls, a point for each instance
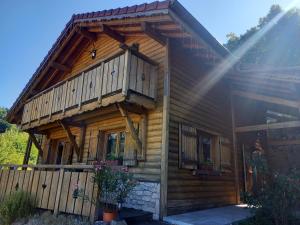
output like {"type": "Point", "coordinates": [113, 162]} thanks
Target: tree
{"type": "Point", "coordinates": [277, 47]}
{"type": "Point", "coordinates": [4, 125]}
{"type": "Point", "coordinates": [13, 145]}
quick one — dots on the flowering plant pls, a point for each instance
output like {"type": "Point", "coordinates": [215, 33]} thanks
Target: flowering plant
{"type": "Point", "coordinates": [114, 183]}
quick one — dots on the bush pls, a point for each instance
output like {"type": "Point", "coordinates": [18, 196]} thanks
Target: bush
{"type": "Point", "coordinates": [18, 205]}
{"type": "Point", "coordinates": [274, 200]}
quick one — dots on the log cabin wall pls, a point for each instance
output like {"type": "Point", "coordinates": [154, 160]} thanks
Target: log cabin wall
{"type": "Point", "coordinates": [149, 170]}
{"type": "Point", "coordinates": [187, 192]}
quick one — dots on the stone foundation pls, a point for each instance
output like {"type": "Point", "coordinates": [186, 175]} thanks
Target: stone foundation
{"type": "Point", "coordinates": [145, 196]}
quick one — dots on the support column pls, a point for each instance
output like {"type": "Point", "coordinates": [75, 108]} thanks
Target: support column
{"type": "Point", "coordinates": [27, 151]}
{"type": "Point", "coordinates": [235, 150]}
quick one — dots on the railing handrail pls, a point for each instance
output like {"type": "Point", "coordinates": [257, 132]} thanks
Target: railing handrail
{"type": "Point", "coordinates": [86, 69]}
{"type": "Point", "coordinates": [47, 166]}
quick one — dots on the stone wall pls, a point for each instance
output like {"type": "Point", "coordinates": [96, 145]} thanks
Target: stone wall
{"type": "Point", "coordinates": [145, 196]}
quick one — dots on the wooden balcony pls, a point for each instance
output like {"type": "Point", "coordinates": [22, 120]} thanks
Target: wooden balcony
{"type": "Point", "coordinates": [127, 76]}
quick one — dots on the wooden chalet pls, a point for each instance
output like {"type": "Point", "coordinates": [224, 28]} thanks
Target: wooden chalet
{"type": "Point", "coordinates": [127, 82]}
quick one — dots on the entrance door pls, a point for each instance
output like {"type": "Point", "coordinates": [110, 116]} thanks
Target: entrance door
{"type": "Point", "coordinates": [64, 153]}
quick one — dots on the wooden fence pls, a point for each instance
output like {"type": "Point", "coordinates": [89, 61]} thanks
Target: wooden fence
{"type": "Point", "coordinates": [120, 73]}
{"type": "Point", "coordinates": [52, 186]}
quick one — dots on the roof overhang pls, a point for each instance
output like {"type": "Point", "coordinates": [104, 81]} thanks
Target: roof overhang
{"type": "Point", "coordinates": [156, 14]}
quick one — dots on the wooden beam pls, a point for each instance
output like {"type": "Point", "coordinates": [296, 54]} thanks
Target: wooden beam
{"type": "Point", "coordinates": [154, 34]}
{"type": "Point", "coordinates": [284, 142]}
{"type": "Point", "coordinates": [164, 157]}
{"type": "Point", "coordinates": [71, 138]}
{"type": "Point", "coordinates": [270, 126]}
{"type": "Point", "coordinates": [268, 99]}
{"type": "Point", "coordinates": [36, 143]}
{"type": "Point", "coordinates": [130, 125]}
{"type": "Point", "coordinates": [82, 141]}
{"type": "Point", "coordinates": [61, 67]}
{"type": "Point", "coordinates": [112, 33]}
{"type": "Point", "coordinates": [85, 33]}
{"type": "Point", "coordinates": [235, 150]}
{"type": "Point", "coordinates": [27, 151]}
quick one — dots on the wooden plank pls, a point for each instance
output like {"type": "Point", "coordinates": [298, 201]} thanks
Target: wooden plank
{"type": "Point", "coordinates": [165, 135]}
{"type": "Point", "coordinates": [152, 33]}
{"type": "Point", "coordinates": [54, 189]}
{"type": "Point", "coordinates": [270, 126]}
{"type": "Point", "coordinates": [64, 190]}
{"type": "Point", "coordinates": [153, 82]}
{"type": "Point", "coordinates": [109, 76]}
{"type": "Point", "coordinates": [121, 71]}
{"type": "Point", "coordinates": [115, 74]}
{"type": "Point", "coordinates": [133, 72]}
{"type": "Point", "coordinates": [4, 182]}
{"type": "Point", "coordinates": [146, 82]}
{"type": "Point", "coordinates": [235, 151]}
{"type": "Point", "coordinates": [47, 189]}
{"type": "Point", "coordinates": [81, 185]}
{"type": "Point", "coordinates": [126, 78]}
{"type": "Point", "coordinates": [140, 76]}
{"type": "Point", "coordinates": [26, 182]}
{"type": "Point", "coordinates": [105, 77]}
{"type": "Point", "coordinates": [99, 78]}
{"type": "Point", "coordinates": [15, 185]}
{"type": "Point", "coordinates": [40, 190]}
{"type": "Point", "coordinates": [268, 99]}
{"type": "Point", "coordinates": [112, 33]}
{"type": "Point", "coordinates": [72, 186]}
{"type": "Point", "coordinates": [60, 66]}
{"type": "Point", "coordinates": [80, 99]}
{"type": "Point", "coordinates": [9, 187]}
{"type": "Point", "coordinates": [59, 191]}
{"type": "Point", "coordinates": [88, 192]}
{"type": "Point", "coordinates": [35, 184]}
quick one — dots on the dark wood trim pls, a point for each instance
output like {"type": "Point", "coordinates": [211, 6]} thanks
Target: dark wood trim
{"type": "Point", "coordinates": [36, 143]}
{"type": "Point", "coordinates": [152, 33]}
{"type": "Point", "coordinates": [71, 138]}
{"type": "Point", "coordinates": [130, 126]}
{"type": "Point", "coordinates": [85, 33]}
{"type": "Point", "coordinates": [235, 150]}
{"type": "Point", "coordinates": [61, 67]}
{"type": "Point", "coordinates": [270, 126]}
{"type": "Point", "coordinates": [112, 33]}
{"type": "Point", "coordinates": [268, 99]}
{"type": "Point", "coordinates": [165, 134]}
{"type": "Point", "coordinates": [27, 151]}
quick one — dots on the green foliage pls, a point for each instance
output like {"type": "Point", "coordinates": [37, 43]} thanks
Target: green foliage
{"type": "Point", "coordinates": [277, 46]}
{"type": "Point", "coordinates": [18, 205]}
{"type": "Point", "coordinates": [13, 145]}
{"type": "Point", "coordinates": [114, 182]}
{"type": "Point", "coordinates": [275, 200]}
{"type": "Point", "coordinates": [4, 125]}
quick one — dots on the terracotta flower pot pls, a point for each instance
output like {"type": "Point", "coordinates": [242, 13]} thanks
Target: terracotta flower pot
{"type": "Point", "coordinates": [110, 216]}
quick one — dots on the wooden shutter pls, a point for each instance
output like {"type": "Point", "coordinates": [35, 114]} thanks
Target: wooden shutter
{"type": "Point", "coordinates": [226, 148]}
{"type": "Point", "coordinates": [188, 154]}
{"type": "Point", "coordinates": [142, 129]}
{"type": "Point", "coordinates": [130, 151]}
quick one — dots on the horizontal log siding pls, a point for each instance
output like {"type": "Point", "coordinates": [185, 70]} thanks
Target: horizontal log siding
{"type": "Point", "coordinates": [211, 112]}
{"type": "Point", "coordinates": [150, 169]}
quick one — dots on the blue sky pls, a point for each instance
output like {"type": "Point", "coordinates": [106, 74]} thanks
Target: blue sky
{"type": "Point", "coordinates": [29, 28]}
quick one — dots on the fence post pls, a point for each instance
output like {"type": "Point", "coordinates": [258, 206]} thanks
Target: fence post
{"type": "Point", "coordinates": [58, 193]}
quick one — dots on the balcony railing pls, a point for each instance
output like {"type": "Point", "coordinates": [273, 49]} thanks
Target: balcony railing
{"type": "Point", "coordinates": [53, 186]}
{"type": "Point", "coordinates": [125, 73]}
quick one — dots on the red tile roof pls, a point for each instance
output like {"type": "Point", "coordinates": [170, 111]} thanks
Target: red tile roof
{"type": "Point", "coordinates": [157, 5]}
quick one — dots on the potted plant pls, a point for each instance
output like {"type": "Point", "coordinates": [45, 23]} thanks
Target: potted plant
{"type": "Point", "coordinates": [114, 183]}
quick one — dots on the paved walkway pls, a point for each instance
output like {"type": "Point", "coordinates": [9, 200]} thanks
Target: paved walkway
{"type": "Point", "coordinates": [216, 216]}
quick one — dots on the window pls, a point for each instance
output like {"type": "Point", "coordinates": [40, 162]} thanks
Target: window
{"type": "Point", "coordinates": [115, 144]}
{"type": "Point", "coordinates": [205, 147]}
{"type": "Point", "coordinates": [198, 149]}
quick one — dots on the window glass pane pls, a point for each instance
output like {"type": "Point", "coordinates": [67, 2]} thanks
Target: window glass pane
{"type": "Point", "coordinates": [206, 148]}
{"type": "Point", "coordinates": [122, 144]}
{"type": "Point", "coordinates": [112, 144]}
